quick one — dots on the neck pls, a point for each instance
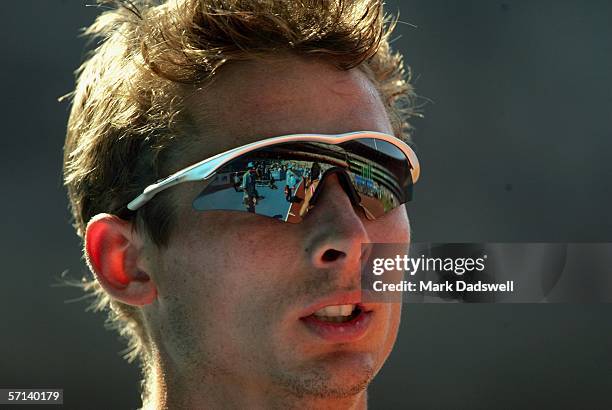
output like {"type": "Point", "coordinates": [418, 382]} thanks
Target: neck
{"type": "Point", "coordinates": [168, 391]}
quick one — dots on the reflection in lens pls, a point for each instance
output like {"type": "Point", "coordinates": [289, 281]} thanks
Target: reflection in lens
{"type": "Point", "coordinates": [281, 181]}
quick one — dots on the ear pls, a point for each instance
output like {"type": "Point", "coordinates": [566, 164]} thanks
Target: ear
{"type": "Point", "coordinates": [113, 251]}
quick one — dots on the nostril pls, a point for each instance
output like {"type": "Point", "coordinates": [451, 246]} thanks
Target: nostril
{"type": "Point", "coordinates": [332, 255]}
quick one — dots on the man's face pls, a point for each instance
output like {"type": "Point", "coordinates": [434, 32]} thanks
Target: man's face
{"type": "Point", "coordinates": [234, 287]}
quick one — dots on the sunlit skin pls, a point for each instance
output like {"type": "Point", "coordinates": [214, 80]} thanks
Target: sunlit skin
{"type": "Point", "coordinates": [224, 300]}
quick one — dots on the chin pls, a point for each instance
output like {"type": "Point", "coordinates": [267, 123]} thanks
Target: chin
{"type": "Point", "coordinates": [334, 375]}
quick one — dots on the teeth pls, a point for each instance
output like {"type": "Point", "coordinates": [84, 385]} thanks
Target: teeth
{"type": "Point", "coordinates": [346, 310]}
{"type": "Point", "coordinates": [335, 311]}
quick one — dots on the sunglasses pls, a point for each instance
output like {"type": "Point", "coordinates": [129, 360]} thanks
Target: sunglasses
{"type": "Point", "coordinates": [282, 177]}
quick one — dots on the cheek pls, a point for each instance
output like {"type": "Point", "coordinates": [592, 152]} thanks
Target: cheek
{"type": "Point", "coordinates": [394, 322]}
{"type": "Point", "coordinates": [225, 268]}
{"type": "Point", "coordinates": [386, 332]}
{"type": "Point", "coordinates": [394, 227]}
{"type": "Point", "coordinates": [218, 257]}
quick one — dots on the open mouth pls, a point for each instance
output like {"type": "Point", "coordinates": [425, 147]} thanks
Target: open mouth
{"type": "Point", "coordinates": [338, 313]}
{"type": "Point", "coordinates": [339, 323]}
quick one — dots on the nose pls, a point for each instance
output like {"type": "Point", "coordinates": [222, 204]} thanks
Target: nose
{"type": "Point", "coordinates": [337, 230]}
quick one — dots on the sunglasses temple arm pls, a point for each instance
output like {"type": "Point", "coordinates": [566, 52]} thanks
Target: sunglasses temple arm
{"type": "Point", "coordinates": [154, 189]}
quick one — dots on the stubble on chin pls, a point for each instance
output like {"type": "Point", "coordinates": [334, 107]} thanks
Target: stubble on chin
{"type": "Point", "coordinates": [318, 383]}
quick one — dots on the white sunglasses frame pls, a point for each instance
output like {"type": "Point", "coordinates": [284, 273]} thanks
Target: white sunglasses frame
{"type": "Point", "coordinates": [206, 168]}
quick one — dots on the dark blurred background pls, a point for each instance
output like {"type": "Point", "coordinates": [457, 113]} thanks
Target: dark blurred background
{"type": "Point", "coordinates": [515, 147]}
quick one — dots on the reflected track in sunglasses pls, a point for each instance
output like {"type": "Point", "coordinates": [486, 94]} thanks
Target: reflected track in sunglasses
{"type": "Point", "coordinates": [283, 181]}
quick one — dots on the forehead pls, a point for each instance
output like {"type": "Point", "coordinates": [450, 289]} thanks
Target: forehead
{"type": "Point", "coordinates": [253, 100]}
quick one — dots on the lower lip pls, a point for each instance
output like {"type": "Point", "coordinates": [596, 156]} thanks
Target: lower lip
{"type": "Point", "coordinates": [339, 332]}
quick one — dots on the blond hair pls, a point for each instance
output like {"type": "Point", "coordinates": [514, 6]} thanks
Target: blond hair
{"type": "Point", "coordinates": [127, 119]}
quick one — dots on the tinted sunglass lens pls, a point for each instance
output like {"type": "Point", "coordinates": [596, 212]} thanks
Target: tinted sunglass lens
{"type": "Point", "coordinates": [274, 188]}
{"type": "Point", "coordinates": [281, 181]}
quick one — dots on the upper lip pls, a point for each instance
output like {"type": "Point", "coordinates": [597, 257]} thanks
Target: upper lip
{"type": "Point", "coordinates": [339, 298]}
